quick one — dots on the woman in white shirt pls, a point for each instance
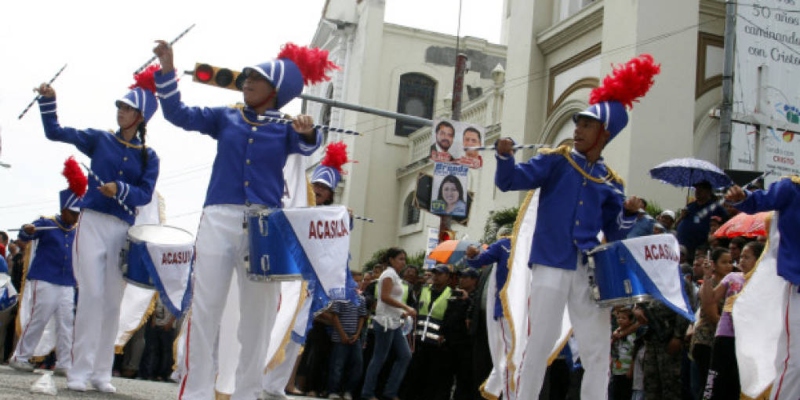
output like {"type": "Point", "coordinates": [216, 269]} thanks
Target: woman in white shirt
{"type": "Point", "coordinates": [389, 315]}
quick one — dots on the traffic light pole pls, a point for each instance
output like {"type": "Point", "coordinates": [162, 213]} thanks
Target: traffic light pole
{"type": "Point", "coordinates": [458, 88]}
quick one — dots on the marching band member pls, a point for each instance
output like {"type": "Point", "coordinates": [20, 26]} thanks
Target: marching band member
{"type": "Point", "coordinates": [247, 176]}
{"type": "Point", "coordinates": [129, 170]}
{"type": "Point", "coordinates": [783, 196]}
{"type": "Point", "coordinates": [51, 279]}
{"type": "Point", "coordinates": [579, 198]}
{"type": "Point", "coordinates": [324, 180]}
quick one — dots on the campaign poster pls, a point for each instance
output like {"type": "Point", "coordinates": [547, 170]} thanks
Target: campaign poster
{"type": "Point", "coordinates": [454, 142]}
{"type": "Point", "coordinates": [449, 194]}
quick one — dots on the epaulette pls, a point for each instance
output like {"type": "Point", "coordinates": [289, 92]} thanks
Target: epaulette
{"type": "Point", "coordinates": [562, 150]}
{"type": "Point", "coordinates": [614, 176]}
{"type": "Point", "coordinates": [795, 179]}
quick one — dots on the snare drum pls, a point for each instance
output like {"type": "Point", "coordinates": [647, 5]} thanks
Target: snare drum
{"type": "Point", "coordinates": [611, 279]}
{"type": "Point", "coordinates": [268, 259]}
{"type": "Point", "coordinates": [171, 245]}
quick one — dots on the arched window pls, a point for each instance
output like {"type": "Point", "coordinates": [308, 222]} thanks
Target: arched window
{"type": "Point", "coordinates": [416, 97]}
{"type": "Point", "coordinates": [411, 212]}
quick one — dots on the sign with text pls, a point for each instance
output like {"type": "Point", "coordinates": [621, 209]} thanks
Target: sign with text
{"type": "Point", "coordinates": [767, 66]}
{"type": "Point", "coordinates": [449, 196]}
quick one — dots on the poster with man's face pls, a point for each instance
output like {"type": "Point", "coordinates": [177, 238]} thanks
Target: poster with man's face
{"type": "Point", "coordinates": [449, 194]}
{"type": "Point", "coordinates": [451, 142]}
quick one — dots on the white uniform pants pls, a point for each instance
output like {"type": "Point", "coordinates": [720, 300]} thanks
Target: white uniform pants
{"type": "Point", "coordinates": [98, 242]}
{"type": "Point", "coordinates": [787, 363]}
{"type": "Point", "coordinates": [220, 249]}
{"type": "Point", "coordinates": [551, 290]}
{"type": "Point", "coordinates": [48, 301]}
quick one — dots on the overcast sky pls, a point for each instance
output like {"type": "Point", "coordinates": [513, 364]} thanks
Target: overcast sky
{"type": "Point", "coordinates": [103, 42]}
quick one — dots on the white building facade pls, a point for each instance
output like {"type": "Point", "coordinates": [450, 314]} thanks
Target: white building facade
{"type": "Point", "coordinates": [554, 53]}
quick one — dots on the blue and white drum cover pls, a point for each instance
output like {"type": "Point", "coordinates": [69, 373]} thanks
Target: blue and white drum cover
{"type": "Point", "coordinates": [651, 263]}
{"type": "Point", "coordinates": [313, 242]}
{"type": "Point", "coordinates": [160, 257]}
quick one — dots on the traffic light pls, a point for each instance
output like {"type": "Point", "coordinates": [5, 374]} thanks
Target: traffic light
{"type": "Point", "coordinates": [446, 235]}
{"type": "Point", "coordinates": [222, 77]}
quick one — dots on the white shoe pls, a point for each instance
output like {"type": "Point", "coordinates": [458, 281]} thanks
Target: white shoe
{"type": "Point", "coordinates": [273, 396]}
{"type": "Point", "coordinates": [76, 386]}
{"type": "Point", "coordinates": [104, 387]}
{"type": "Point", "coordinates": [22, 366]}
{"type": "Point", "coordinates": [334, 396]}
{"type": "Point", "coordinates": [347, 396]}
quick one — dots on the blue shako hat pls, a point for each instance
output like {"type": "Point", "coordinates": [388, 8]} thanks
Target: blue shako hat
{"type": "Point", "coordinates": [70, 201]}
{"type": "Point", "coordinates": [294, 67]}
{"type": "Point", "coordinates": [329, 170]}
{"type": "Point", "coordinates": [611, 114]}
{"type": "Point", "coordinates": [328, 176]}
{"type": "Point", "coordinates": [142, 95]}
{"type": "Point", "coordinates": [284, 76]}
{"type": "Point", "coordinates": [619, 90]}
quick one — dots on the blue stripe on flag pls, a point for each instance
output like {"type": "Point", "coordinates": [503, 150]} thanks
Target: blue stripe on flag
{"type": "Point", "coordinates": [138, 251]}
{"type": "Point", "coordinates": [652, 289]}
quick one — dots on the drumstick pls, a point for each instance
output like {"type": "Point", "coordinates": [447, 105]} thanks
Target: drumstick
{"type": "Point", "coordinates": [170, 43]}
{"type": "Point", "coordinates": [515, 147]}
{"type": "Point", "coordinates": [322, 127]}
{"type": "Point", "coordinates": [100, 181]}
{"type": "Point", "coordinates": [719, 203]}
{"type": "Point", "coordinates": [38, 228]}
{"type": "Point", "coordinates": [363, 218]}
{"type": "Point", "coordinates": [38, 96]}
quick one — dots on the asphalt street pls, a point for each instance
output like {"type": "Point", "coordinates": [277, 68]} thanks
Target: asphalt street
{"type": "Point", "coordinates": [15, 385]}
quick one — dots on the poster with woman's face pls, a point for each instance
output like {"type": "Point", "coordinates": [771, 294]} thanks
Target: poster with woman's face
{"type": "Point", "coordinates": [451, 141]}
{"type": "Point", "coordinates": [450, 183]}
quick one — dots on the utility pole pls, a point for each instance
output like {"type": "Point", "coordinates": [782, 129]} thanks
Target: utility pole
{"type": "Point", "coordinates": [726, 110]}
{"type": "Point", "coordinates": [458, 89]}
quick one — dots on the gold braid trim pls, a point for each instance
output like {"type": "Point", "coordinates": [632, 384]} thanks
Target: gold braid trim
{"type": "Point", "coordinates": [484, 393]}
{"type": "Point", "coordinates": [311, 198]}
{"type": "Point", "coordinates": [62, 227]}
{"type": "Point", "coordinates": [511, 368]}
{"type": "Point", "coordinates": [26, 262]}
{"type": "Point", "coordinates": [119, 349]}
{"type": "Point", "coordinates": [280, 355]}
{"type": "Point", "coordinates": [177, 340]}
{"type": "Point", "coordinates": [565, 151]}
{"type": "Point", "coordinates": [127, 144]}
{"type": "Point", "coordinates": [240, 107]}
{"type": "Point", "coordinates": [795, 179]}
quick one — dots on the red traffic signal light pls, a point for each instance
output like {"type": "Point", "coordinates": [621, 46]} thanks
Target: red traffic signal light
{"type": "Point", "coordinates": [216, 76]}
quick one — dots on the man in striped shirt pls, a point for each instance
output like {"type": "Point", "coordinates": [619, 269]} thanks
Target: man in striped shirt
{"type": "Point", "coordinates": [348, 320]}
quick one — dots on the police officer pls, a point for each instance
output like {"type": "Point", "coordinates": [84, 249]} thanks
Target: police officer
{"type": "Point", "coordinates": [52, 284]}
{"type": "Point", "coordinates": [430, 375]}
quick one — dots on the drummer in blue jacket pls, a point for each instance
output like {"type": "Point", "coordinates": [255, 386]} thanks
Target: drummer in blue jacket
{"type": "Point", "coordinates": [247, 177]}
{"type": "Point", "coordinates": [52, 283]}
{"type": "Point", "coordinates": [580, 197]}
{"type": "Point", "coordinates": [783, 196]}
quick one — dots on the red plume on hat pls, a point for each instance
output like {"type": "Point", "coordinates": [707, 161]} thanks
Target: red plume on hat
{"type": "Point", "coordinates": [313, 63]}
{"type": "Point", "coordinates": [335, 156]}
{"type": "Point", "coordinates": [146, 79]}
{"type": "Point", "coordinates": [75, 177]}
{"type": "Point", "coordinates": [627, 82]}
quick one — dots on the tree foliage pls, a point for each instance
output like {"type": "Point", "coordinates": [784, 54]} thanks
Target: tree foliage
{"type": "Point", "coordinates": [496, 220]}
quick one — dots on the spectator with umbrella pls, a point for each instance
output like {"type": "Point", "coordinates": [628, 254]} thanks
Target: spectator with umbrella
{"type": "Point", "coordinates": [692, 225]}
